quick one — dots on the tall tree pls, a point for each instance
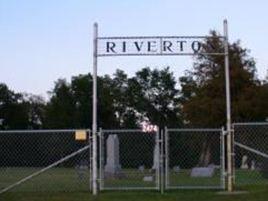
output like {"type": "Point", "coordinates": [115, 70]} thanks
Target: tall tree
{"type": "Point", "coordinates": [154, 96]}
{"type": "Point", "coordinates": [60, 110]}
{"type": "Point", "coordinates": [203, 88]}
{"type": "Point", "coordinates": [70, 105]}
{"type": "Point", "coordinates": [81, 87]}
{"type": "Point", "coordinates": [13, 112]}
{"type": "Point", "coordinates": [35, 106]}
{"type": "Point", "coordinates": [126, 113]}
{"type": "Point", "coordinates": [203, 91]}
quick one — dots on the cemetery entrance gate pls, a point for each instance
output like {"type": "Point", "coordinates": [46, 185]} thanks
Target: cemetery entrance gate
{"type": "Point", "coordinates": [132, 159]}
{"type": "Point", "coordinates": [129, 160]}
{"type": "Point", "coordinates": [194, 158]}
{"type": "Point", "coordinates": [147, 46]}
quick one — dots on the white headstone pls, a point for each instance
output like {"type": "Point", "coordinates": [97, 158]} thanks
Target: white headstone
{"type": "Point", "coordinates": [176, 169]}
{"type": "Point", "coordinates": [156, 157]}
{"type": "Point", "coordinates": [112, 152]}
{"type": "Point", "coordinates": [244, 163]}
{"type": "Point", "coordinates": [253, 165]}
{"type": "Point", "coordinates": [148, 178]}
{"type": "Point", "coordinates": [141, 168]}
{"type": "Point", "coordinates": [202, 172]}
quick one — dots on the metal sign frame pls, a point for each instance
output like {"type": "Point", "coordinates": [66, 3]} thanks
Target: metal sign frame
{"type": "Point", "coordinates": [96, 54]}
{"type": "Point", "coordinates": [156, 45]}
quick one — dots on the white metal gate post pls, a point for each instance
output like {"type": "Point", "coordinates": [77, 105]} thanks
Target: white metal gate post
{"type": "Point", "coordinates": [228, 111]}
{"type": "Point", "coordinates": [90, 159]}
{"type": "Point", "coordinates": [162, 167]}
{"type": "Point", "coordinates": [94, 125]}
{"type": "Point", "coordinates": [166, 137]}
{"type": "Point", "coordinates": [101, 159]}
{"type": "Point", "coordinates": [222, 152]}
{"type": "Point", "coordinates": [158, 144]}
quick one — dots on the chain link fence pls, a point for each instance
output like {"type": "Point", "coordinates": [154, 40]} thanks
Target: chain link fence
{"type": "Point", "coordinates": [129, 160]}
{"type": "Point", "coordinates": [45, 160]}
{"type": "Point", "coordinates": [194, 159]}
{"type": "Point", "coordinates": [251, 153]}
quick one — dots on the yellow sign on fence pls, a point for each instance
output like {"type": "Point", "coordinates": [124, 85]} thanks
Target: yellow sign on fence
{"type": "Point", "coordinates": [80, 135]}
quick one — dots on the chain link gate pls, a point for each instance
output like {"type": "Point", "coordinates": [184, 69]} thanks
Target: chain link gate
{"type": "Point", "coordinates": [45, 161]}
{"type": "Point", "coordinates": [251, 153]}
{"type": "Point", "coordinates": [194, 158]}
{"type": "Point", "coordinates": [129, 160]}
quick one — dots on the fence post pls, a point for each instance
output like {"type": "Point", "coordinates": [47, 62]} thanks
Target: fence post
{"type": "Point", "coordinates": [90, 158]}
{"type": "Point", "coordinates": [162, 162]}
{"type": "Point", "coordinates": [101, 148]}
{"type": "Point", "coordinates": [223, 172]}
{"type": "Point", "coordinates": [166, 138]}
{"type": "Point", "coordinates": [158, 171]}
{"type": "Point", "coordinates": [94, 124]}
{"type": "Point", "coordinates": [228, 111]}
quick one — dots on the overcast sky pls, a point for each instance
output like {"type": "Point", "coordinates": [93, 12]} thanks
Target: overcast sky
{"type": "Point", "coordinates": [41, 41]}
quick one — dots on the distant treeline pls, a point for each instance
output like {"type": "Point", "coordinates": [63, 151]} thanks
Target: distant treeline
{"type": "Point", "coordinates": [154, 95]}
{"type": "Point", "coordinates": [196, 99]}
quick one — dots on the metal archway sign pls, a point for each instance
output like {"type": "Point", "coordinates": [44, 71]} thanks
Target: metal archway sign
{"type": "Point", "coordinates": [159, 46]}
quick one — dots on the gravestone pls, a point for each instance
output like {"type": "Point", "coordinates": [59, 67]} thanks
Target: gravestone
{"type": "Point", "coordinates": [81, 169]}
{"type": "Point", "coordinates": [156, 157]}
{"type": "Point", "coordinates": [244, 163]}
{"type": "Point", "coordinates": [253, 165]}
{"type": "Point", "coordinates": [112, 166]}
{"type": "Point", "coordinates": [148, 178]}
{"type": "Point", "coordinates": [141, 168]}
{"type": "Point", "coordinates": [202, 172]}
{"type": "Point", "coordinates": [176, 169]}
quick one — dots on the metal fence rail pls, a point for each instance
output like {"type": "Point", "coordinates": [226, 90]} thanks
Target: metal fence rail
{"type": "Point", "coordinates": [129, 160]}
{"type": "Point", "coordinates": [195, 158]}
{"type": "Point", "coordinates": [44, 160]}
{"type": "Point", "coordinates": [251, 153]}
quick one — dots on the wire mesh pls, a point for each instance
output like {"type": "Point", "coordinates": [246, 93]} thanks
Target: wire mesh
{"type": "Point", "coordinates": [194, 159]}
{"type": "Point", "coordinates": [251, 154]}
{"type": "Point", "coordinates": [44, 160]}
{"type": "Point", "coordinates": [129, 160]}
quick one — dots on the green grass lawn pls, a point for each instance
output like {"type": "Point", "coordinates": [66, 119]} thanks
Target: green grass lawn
{"type": "Point", "coordinates": [53, 180]}
{"type": "Point", "coordinates": [68, 184]}
{"type": "Point", "coordinates": [69, 179]}
{"type": "Point", "coordinates": [245, 177]}
{"type": "Point", "coordinates": [255, 193]}
{"type": "Point", "coordinates": [183, 178]}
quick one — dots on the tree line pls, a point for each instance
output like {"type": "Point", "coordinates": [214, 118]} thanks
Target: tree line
{"type": "Point", "coordinates": [156, 96]}
{"type": "Point", "coordinates": [195, 99]}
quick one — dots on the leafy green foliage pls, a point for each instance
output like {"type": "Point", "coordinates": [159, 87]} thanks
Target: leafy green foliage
{"type": "Point", "coordinates": [150, 95]}
{"type": "Point", "coordinates": [19, 111]}
{"type": "Point", "coordinates": [154, 95]}
{"type": "Point", "coordinates": [203, 88]}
